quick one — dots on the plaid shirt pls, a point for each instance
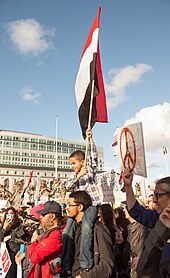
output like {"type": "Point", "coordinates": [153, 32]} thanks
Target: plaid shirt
{"type": "Point", "coordinates": [88, 181]}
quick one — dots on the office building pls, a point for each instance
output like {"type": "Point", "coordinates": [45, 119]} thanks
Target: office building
{"type": "Point", "coordinates": [21, 152]}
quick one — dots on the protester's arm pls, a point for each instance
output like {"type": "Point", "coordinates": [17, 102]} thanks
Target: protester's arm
{"type": "Point", "coordinates": [93, 150]}
{"type": "Point", "coordinates": [130, 196]}
{"type": "Point", "coordinates": [71, 182]}
{"type": "Point", "coordinates": [37, 251]}
{"type": "Point", "coordinates": [142, 215]}
{"type": "Point", "coordinates": [19, 257]}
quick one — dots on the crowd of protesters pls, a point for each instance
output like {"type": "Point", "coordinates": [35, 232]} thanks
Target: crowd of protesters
{"type": "Point", "coordinates": [84, 238]}
{"type": "Point", "coordinates": [121, 246]}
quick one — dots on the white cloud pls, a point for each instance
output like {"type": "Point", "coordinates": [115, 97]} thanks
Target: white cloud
{"type": "Point", "coordinates": [156, 132]}
{"type": "Point", "coordinates": [29, 37]}
{"type": "Point", "coordinates": [29, 95]}
{"type": "Point", "coordinates": [156, 125]}
{"type": "Point", "coordinates": [120, 79]}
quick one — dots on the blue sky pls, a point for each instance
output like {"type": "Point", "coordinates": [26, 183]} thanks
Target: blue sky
{"type": "Point", "coordinates": [40, 48]}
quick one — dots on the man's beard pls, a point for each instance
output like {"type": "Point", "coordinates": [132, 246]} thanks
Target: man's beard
{"type": "Point", "coordinates": [47, 225]}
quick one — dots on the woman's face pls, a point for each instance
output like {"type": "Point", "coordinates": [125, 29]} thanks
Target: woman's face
{"type": "Point", "coordinates": [10, 211]}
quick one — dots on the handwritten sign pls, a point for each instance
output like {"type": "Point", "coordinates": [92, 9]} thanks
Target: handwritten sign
{"type": "Point", "coordinates": [131, 149]}
{"type": "Point", "coordinates": [106, 183]}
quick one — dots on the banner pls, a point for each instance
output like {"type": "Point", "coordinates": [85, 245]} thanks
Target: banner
{"type": "Point", "coordinates": [131, 149]}
{"type": "Point", "coordinates": [5, 261]}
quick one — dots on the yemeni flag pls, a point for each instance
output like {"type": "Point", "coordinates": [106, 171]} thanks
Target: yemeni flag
{"type": "Point", "coordinates": [89, 74]}
{"type": "Point", "coordinates": [165, 150]}
{"type": "Point", "coordinates": [29, 181]}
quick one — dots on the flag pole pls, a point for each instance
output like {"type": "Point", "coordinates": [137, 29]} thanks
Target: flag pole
{"type": "Point", "coordinates": [89, 121]}
{"type": "Point", "coordinates": [56, 151]}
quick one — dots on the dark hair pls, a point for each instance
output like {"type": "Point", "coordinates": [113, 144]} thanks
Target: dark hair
{"type": "Point", "coordinates": [121, 221]}
{"type": "Point", "coordinates": [80, 155]}
{"type": "Point", "coordinates": [163, 180]}
{"type": "Point", "coordinates": [81, 198]}
{"type": "Point", "coordinates": [106, 214]}
{"type": "Point", "coordinates": [61, 219]}
{"type": "Point", "coordinates": [15, 221]}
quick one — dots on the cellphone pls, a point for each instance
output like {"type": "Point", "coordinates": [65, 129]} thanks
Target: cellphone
{"type": "Point", "coordinates": [9, 217]}
{"type": "Point", "coordinates": [21, 251]}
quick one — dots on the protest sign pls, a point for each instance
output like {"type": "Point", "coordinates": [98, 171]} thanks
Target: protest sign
{"type": "Point", "coordinates": [105, 183]}
{"type": "Point", "coordinates": [4, 259]}
{"type": "Point", "coordinates": [131, 149]}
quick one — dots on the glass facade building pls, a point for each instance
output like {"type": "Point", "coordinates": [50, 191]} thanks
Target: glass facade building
{"type": "Point", "coordinates": [21, 152]}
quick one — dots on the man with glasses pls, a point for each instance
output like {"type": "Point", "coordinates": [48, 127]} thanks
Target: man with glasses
{"type": "Point", "coordinates": [102, 248]}
{"type": "Point", "coordinates": [148, 218]}
{"type": "Point", "coordinates": [46, 247]}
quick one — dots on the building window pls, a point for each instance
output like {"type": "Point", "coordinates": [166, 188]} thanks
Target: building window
{"type": "Point", "coordinates": [25, 146]}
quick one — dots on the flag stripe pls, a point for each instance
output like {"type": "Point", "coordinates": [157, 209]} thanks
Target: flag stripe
{"type": "Point", "coordinates": [29, 181]}
{"type": "Point", "coordinates": [83, 76]}
{"type": "Point", "coordinates": [101, 97]}
{"type": "Point", "coordinates": [91, 34]}
{"type": "Point", "coordinates": [89, 70]}
{"type": "Point", "coordinates": [165, 150]}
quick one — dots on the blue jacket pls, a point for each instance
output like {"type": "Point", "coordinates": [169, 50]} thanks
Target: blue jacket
{"type": "Point", "coordinates": [144, 216]}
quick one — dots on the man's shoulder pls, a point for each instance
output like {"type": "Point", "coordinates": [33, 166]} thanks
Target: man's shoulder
{"type": "Point", "coordinates": [52, 232]}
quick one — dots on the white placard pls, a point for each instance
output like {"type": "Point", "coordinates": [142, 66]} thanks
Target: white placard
{"type": "Point", "coordinates": [105, 183]}
{"type": "Point", "coordinates": [131, 149]}
{"type": "Point", "coordinates": [5, 261]}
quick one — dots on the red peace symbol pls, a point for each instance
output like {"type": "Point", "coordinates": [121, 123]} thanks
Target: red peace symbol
{"type": "Point", "coordinates": [128, 159]}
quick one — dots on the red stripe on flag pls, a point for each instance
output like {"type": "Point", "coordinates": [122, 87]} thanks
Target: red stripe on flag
{"type": "Point", "coordinates": [90, 69]}
{"type": "Point", "coordinates": [165, 150]}
{"type": "Point", "coordinates": [95, 25]}
{"type": "Point", "coordinates": [31, 174]}
{"type": "Point", "coordinates": [101, 106]}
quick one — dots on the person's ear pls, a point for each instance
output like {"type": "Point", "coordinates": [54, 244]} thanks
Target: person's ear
{"type": "Point", "coordinates": [53, 216]}
{"type": "Point", "coordinates": [80, 207]}
{"type": "Point", "coordinates": [83, 161]}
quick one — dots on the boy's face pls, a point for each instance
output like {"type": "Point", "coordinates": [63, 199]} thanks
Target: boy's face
{"type": "Point", "coordinates": [76, 164]}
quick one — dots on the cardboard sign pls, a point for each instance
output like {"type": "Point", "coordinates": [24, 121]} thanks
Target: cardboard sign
{"type": "Point", "coordinates": [105, 183]}
{"type": "Point", "coordinates": [5, 260]}
{"type": "Point", "coordinates": [131, 149]}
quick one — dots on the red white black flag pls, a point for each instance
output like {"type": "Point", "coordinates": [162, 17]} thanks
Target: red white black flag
{"type": "Point", "coordinates": [29, 181]}
{"type": "Point", "coordinates": [89, 70]}
{"type": "Point", "coordinates": [165, 150]}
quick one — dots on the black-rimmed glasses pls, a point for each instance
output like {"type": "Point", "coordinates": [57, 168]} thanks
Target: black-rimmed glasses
{"type": "Point", "coordinates": [69, 205]}
{"type": "Point", "coordinates": [158, 195]}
